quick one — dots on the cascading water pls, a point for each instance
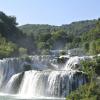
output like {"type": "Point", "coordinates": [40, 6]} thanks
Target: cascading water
{"type": "Point", "coordinates": [50, 83]}
{"type": "Point", "coordinates": [9, 67]}
{"type": "Point", "coordinates": [75, 62]}
{"type": "Point", "coordinates": [42, 79]}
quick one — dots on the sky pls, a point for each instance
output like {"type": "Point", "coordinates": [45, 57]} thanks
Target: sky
{"type": "Point", "coordinates": [53, 12]}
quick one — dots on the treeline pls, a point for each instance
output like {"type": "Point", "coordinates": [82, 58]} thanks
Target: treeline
{"type": "Point", "coordinates": [39, 39]}
{"type": "Point", "coordinates": [69, 36]}
{"type": "Point", "coordinates": [91, 40]}
{"type": "Point", "coordinates": [12, 40]}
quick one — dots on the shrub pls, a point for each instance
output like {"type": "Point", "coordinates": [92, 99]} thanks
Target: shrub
{"type": "Point", "coordinates": [91, 90]}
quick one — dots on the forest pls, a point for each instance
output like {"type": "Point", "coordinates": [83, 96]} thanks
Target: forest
{"type": "Point", "coordinates": [41, 38]}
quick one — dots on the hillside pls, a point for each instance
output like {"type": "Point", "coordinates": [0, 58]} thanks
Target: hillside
{"type": "Point", "coordinates": [11, 38]}
{"type": "Point", "coordinates": [78, 28]}
{"type": "Point", "coordinates": [58, 37]}
{"type": "Point", "coordinates": [40, 38]}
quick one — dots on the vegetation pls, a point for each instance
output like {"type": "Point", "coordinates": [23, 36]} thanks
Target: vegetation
{"type": "Point", "coordinates": [6, 47]}
{"type": "Point", "coordinates": [82, 34]}
{"type": "Point", "coordinates": [22, 51]}
{"type": "Point", "coordinates": [58, 37]}
{"type": "Point", "coordinates": [92, 39]}
{"type": "Point", "coordinates": [91, 90]}
{"type": "Point", "coordinates": [11, 38]}
{"type": "Point", "coordinates": [40, 39]}
{"type": "Point", "coordinates": [85, 92]}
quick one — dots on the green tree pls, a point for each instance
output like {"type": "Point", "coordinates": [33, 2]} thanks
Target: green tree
{"type": "Point", "coordinates": [98, 46]}
{"type": "Point", "coordinates": [86, 46]}
{"type": "Point", "coordinates": [59, 35]}
{"type": "Point", "coordinates": [22, 51]}
{"type": "Point", "coordinates": [92, 48]}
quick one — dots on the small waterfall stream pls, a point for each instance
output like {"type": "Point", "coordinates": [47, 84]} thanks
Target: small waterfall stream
{"type": "Point", "coordinates": [42, 80]}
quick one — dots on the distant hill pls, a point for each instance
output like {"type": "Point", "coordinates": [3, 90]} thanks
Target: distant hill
{"type": "Point", "coordinates": [40, 38]}
{"type": "Point", "coordinates": [70, 32]}
{"type": "Point", "coordinates": [78, 27]}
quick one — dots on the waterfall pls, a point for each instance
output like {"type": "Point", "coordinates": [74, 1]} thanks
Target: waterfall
{"type": "Point", "coordinates": [75, 62]}
{"type": "Point", "coordinates": [42, 79]}
{"type": "Point", "coordinates": [9, 67]}
{"type": "Point", "coordinates": [33, 84]}
{"type": "Point", "coordinates": [50, 83]}
{"type": "Point", "coordinates": [14, 83]}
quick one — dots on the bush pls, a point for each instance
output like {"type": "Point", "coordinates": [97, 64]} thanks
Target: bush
{"type": "Point", "coordinates": [89, 91]}
{"type": "Point", "coordinates": [97, 67]}
{"type": "Point", "coordinates": [22, 51]}
{"type": "Point", "coordinates": [85, 92]}
{"type": "Point", "coordinates": [7, 48]}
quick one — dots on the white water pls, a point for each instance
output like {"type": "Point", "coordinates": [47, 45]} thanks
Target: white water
{"type": "Point", "coordinates": [10, 83]}
{"type": "Point", "coordinates": [74, 61]}
{"type": "Point", "coordinates": [9, 67]}
{"type": "Point", "coordinates": [49, 83]}
{"type": "Point", "coordinates": [44, 83]}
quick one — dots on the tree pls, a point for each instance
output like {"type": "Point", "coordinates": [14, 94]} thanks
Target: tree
{"type": "Point", "coordinates": [98, 46]}
{"type": "Point", "coordinates": [22, 51]}
{"type": "Point", "coordinates": [86, 46]}
{"type": "Point", "coordinates": [59, 35]}
{"type": "Point", "coordinates": [92, 48]}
